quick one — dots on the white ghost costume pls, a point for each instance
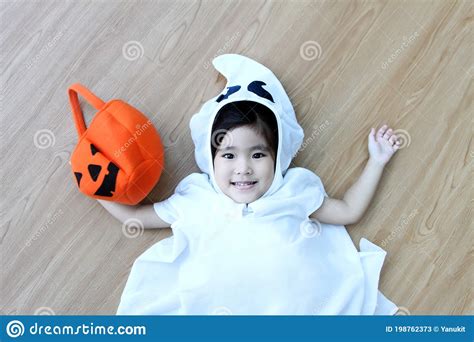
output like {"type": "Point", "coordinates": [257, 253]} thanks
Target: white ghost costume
{"type": "Point", "coordinates": [262, 258]}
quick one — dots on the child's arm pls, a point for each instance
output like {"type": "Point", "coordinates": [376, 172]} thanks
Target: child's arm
{"type": "Point", "coordinates": [356, 200]}
{"type": "Point", "coordinates": [144, 213]}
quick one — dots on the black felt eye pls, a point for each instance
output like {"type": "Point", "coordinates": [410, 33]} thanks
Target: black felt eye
{"type": "Point", "coordinates": [93, 149]}
{"type": "Point", "coordinates": [256, 88]}
{"type": "Point", "coordinates": [94, 171]}
{"type": "Point", "coordinates": [230, 91]}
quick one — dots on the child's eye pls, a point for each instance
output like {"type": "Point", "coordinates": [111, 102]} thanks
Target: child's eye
{"type": "Point", "coordinates": [228, 156]}
{"type": "Point", "coordinates": [258, 155]}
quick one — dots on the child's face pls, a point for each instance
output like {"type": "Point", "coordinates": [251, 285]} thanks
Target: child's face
{"type": "Point", "coordinates": [243, 156]}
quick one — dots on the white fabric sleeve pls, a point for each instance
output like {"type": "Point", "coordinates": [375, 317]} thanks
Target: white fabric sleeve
{"type": "Point", "coordinates": [319, 194]}
{"type": "Point", "coordinates": [166, 210]}
{"type": "Point", "coordinates": [304, 190]}
{"type": "Point", "coordinates": [178, 204]}
{"type": "Point", "coordinates": [313, 190]}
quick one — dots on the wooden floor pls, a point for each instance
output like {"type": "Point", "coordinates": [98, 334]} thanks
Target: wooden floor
{"type": "Point", "coordinates": [347, 66]}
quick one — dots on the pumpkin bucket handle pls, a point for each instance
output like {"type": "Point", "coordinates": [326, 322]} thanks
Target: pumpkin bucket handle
{"type": "Point", "coordinates": [96, 102]}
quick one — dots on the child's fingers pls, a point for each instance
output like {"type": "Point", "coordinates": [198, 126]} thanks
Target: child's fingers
{"type": "Point", "coordinates": [396, 142]}
{"type": "Point", "coordinates": [388, 134]}
{"type": "Point", "coordinates": [381, 131]}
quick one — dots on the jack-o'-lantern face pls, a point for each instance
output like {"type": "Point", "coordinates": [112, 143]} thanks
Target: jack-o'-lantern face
{"type": "Point", "coordinates": [95, 175]}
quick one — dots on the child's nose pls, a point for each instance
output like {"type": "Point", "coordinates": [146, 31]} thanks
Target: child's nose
{"type": "Point", "coordinates": [243, 167]}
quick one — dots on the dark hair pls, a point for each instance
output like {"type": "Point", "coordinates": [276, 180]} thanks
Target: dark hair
{"type": "Point", "coordinates": [245, 113]}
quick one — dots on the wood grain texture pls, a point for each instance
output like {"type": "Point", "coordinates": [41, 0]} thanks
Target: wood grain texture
{"type": "Point", "coordinates": [405, 63]}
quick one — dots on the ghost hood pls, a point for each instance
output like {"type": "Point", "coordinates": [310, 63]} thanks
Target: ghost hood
{"type": "Point", "coordinates": [247, 80]}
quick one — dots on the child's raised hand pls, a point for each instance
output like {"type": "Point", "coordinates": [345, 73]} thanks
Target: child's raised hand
{"type": "Point", "coordinates": [383, 145]}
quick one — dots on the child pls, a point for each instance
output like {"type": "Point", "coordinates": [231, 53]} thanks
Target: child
{"type": "Point", "coordinates": [250, 234]}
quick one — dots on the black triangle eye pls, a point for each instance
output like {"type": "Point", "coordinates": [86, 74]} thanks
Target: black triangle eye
{"type": "Point", "coordinates": [256, 88]}
{"type": "Point", "coordinates": [78, 178]}
{"type": "Point", "coordinates": [230, 91]}
{"type": "Point", "coordinates": [93, 149]}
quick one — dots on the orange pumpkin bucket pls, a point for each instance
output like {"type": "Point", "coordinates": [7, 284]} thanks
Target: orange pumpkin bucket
{"type": "Point", "coordinates": [119, 157]}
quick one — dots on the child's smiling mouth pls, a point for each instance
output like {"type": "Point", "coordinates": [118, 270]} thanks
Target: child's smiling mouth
{"type": "Point", "coordinates": [244, 185]}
